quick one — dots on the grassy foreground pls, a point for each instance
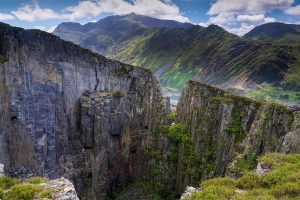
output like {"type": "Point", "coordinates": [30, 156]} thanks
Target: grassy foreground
{"type": "Point", "coordinates": [33, 188]}
{"type": "Point", "coordinates": [281, 182]}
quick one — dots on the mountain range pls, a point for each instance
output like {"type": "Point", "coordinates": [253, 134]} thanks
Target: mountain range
{"type": "Point", "coordinates": [177, 52]}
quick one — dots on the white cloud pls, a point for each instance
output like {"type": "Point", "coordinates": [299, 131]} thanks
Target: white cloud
{"type": "Point", "coordinates": [162, 9]}
{"type": "Point", "coordinates": [242, 30]}
{"type": "Point", "coordinates": [154, 8]}
{"type": "Point", "coordinates": [34, 13]}
{"type": "Point", "coordinates": [293, 10]}
{"type": "Point", "coordinates": [255, 19]}
{"type": "Point", "coordinates": [248, 6]}
{"type": "Point", "coordinates": [4, 17]}
{"type": "Point", "coordinates": [204, 24]}
{"type": "Point", "coordinates": [223, 18]}
{"type": "Point", "coordinates": [51, 29]}
{"type": "Point", "coordinates": [244, 14]}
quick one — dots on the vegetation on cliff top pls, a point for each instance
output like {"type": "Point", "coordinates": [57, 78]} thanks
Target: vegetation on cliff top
{"type": "Point", "coordinates": [281, 182]}
{"type": "Point", "coordinates": [32, 188]}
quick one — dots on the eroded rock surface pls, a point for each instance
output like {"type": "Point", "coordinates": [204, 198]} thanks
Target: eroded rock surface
{"type": "Point", "coordinates": [45, 129]}
{"type": "Point", "coordinates": [225, 126]}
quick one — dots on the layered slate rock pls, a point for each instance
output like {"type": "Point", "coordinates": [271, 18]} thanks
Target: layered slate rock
{"type": "Point", "coordinates": [116, 127]}
{"type": "Point", "coordinates": [227, 126]}
{"type": "Point", "coordinates": [42, 129]}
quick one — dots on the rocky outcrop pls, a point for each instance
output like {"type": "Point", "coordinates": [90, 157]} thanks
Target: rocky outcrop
{"type": "Point", "coordinates": [49, 128]}
{"type": "Point", "coordinates": [226, 125]}
{"type": "Point", "coordinates": [62, 189]}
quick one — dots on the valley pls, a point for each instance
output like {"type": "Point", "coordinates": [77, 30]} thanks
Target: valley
{"type": "Point", "coordinates": [177, 52]}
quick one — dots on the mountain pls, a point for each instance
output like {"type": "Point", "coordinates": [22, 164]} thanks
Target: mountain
{"type": "Point", "coordinates": [275, 31]}
{"type": "Point", "coordinates": [112, 30]}
{"type": "Point", "coordinates": [179, 53]}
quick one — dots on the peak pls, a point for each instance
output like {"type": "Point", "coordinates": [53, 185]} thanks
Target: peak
{"type": "Point", "coordinates": [131, 14]}
{"type": "Point", "coordinates": [275, 30]}
{"type": "Point", "coordinates": [214, 27]}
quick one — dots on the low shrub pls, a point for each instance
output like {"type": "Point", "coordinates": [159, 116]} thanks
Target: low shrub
{"type": "Point", "coordinates": [46, 193]}
{"type": "Point", "coordinates": [6, 182]}
{"type": "Point", "coordinates": [286, 190]}
{"type": "Point", "coordinates": [22, 192]}
{"type": "Point", "coordinates": [249, 181]}
{"type": "Point", "coordinates": [37, 180]}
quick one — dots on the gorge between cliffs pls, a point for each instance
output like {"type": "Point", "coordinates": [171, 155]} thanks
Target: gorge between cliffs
{"type": "Point", "coordinates": [104, 125]}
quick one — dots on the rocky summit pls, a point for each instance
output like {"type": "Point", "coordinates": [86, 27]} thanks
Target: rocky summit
{"type": "Point", "coordinates": [106, 127]}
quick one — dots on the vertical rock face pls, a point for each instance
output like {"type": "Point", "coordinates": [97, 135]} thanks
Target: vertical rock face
{"type": "Point", "coordinates": [115, 128]}
{"type": "Point", "coordinates": [45, 125]}
{"type": "Point", "coordinates": [225, 125]}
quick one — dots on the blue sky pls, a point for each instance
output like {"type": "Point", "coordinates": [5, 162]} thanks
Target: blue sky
{"type": "Point", "coordinates": [236, 16]}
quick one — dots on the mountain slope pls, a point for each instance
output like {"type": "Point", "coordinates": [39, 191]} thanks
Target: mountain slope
{"type": "Point", "coordinates": [275, 31]}
{"type": "Point", "coordinates": [211, 55]}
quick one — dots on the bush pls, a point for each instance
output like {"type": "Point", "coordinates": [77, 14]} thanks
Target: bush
{"type": "Point", "coordinates": [215, 192]}
{"type": "Point", "coordinates": [278, 176]}
{"type": "Point", "coordinates": [249, 181]}
{"type": "Point", "coordinates": [171, 116]}
{"type": "Point", "coordinates": [179, 133]}
{"type": "Point", "coordinates": [117, 95]}
{"type": "Point", "coordinates": [6, 182]}
{"type": "Point", "coordinates": [37, 180]}
{"type": "Point", "coordinates": [286, 190]}
{"type": "Point", "coordinates": [22, 192]}
{"type": "Point", "coordinates": [226, 181]}
{"type": "Point", "coordinates": [244, 164]}
{"type": "Point", "coordinates": [46, 193]}
{"type": "Point", "coordinates": [1, 193]}
{"type": "Point", "coordinates": [256, 194]}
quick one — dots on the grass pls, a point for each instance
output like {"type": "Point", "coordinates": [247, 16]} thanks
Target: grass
{"type": "Point", "coordinates": [282, 182]}
{"type": "Point", "coordinates": [277, 94]}
{"type": "Point", "coordinates": [30, 189]}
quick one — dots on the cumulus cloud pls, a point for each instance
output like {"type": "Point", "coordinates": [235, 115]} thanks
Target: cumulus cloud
{"type": "Point", "coordinates": [248, 6]}
{"type": "Point", "coordinates": [240, 31]}
{"type": "Point", "coordinates": [4, 17]}
{"type": "Point", "coordinates": [244, 14]}
{"type": "Point", "coordinates": [42, 28]}
{"type": "Point", "coordinates": [293, 10]}
{"type": "Point", "coordinates": [255, 19]}
{"type": "Point", "coordinates": [34, 13]}
{"type": "Point", "coordinates": [154, 8]}
{"type": "Point", "coordinates": [162, 9]}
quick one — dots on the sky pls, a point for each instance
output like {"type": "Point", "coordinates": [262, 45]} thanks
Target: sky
{"type": "Point", "coordinates": [236, 16]}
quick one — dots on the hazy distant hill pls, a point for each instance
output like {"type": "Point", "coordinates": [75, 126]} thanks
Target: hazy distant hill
{"type": "Point", "coordinates": [275, 31]}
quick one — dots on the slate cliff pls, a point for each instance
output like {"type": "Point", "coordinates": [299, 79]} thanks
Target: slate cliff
{"type": "Point", "coordinates": [49, 128]}
{"type": "Point", "coordinates": [230, 131]}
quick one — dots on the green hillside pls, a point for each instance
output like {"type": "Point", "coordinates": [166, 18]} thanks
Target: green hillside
{"type": "Point", "coordinates": [275, 32]}
{"type": "Point", "coordinates": [178, 52]}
